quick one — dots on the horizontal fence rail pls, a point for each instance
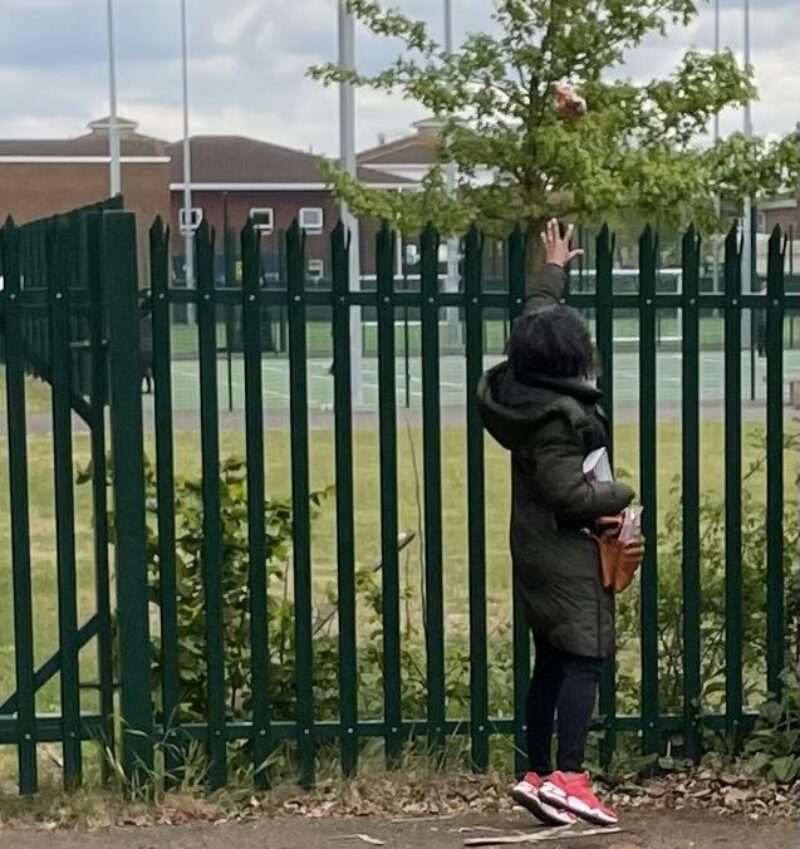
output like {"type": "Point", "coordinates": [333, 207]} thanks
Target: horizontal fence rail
{"type": "Point", "coordinates": [72, 316]}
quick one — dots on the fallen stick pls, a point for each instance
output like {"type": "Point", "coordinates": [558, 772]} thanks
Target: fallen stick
{"type": "Point", "coordinates": [465, 829]}
{"type": "Point", "coordinates": [534, 837]}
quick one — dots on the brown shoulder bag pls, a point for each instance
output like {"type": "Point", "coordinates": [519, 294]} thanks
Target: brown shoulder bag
{"type": "Point", "coordinates": [619, 562]}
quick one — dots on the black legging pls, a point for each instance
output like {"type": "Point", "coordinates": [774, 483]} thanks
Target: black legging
{"type": "Point", "coordinates": [568, 683]}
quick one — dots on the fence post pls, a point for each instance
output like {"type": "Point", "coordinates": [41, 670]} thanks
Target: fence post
{"type": "Point", "coordinates": [301, 519]}
{"type": "Point", "coordinates": [522, 640]}
{"type": "Point", "coordinates": [345, 531]}
{"type": "Point", "coordinates": [20, 518]}
{"type": "Point", "coordinates": [733, 485]}
{"type": "Point", "coordinates": [58, 254]}
{"type": "Point", "coordinates": [476, 506]}
{"type": "Point", "coordinates": [127, 445]}
{"type": "Point", "coordinates": [432, 483]}
{"type": "Point", "coordinates": [92, 258]}
{"type": "Point", "coordinates": [387, 440]}
{"type": "Point", "coordinates": [256, 520]}
{"type": "Point", "coordinates": [165, 496]}
{"type": "Point", "coordinates": [690, 481]}
{"type": "Point", "coordinates": [212, 547]}
{"type": "Point", "coordinates": [648, 436]}
{"type": "Point", "coordinates": [775, 492]}
{"type": "Point", "coordinates": [605, 244]}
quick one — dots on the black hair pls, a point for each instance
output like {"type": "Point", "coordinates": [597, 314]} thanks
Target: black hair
{"type": "Point", "coordinates": [551, 342]}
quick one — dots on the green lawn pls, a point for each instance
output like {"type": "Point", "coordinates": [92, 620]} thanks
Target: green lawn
{"type": "Point", "coordinates": [626, 330]}
{"type": "Point", "coordinates": [319, 338]}
{"type": "Point", "coordinates": [367, 518]}
{"type": "Point", "coordinates": [37, 395]}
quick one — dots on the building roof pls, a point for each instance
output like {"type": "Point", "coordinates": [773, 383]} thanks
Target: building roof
{"type": "Point", "coordinates": [416, 149]}
{"type": "Point", "coordinates": [93, 143]}
{"type": "Point", "coordinates": [221, 160]}
{"type": "Point", "coordinates": [782, 201]}
{"type": "Point", "coordinates": [411, 150]}
{"type": "Point", "coordinates": [217, 161]}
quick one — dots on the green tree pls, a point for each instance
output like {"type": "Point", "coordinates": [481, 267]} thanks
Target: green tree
{"type": "Point", "coordinates": [638, 153]}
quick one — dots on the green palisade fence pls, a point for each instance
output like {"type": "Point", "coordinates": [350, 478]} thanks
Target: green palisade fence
{"type": "Point", "coordinates": [70, 315]}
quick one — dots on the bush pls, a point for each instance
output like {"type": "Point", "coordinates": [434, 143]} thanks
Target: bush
{"type": "Point", "coordinates": [713, 582]}
{"type": "Point", "coordinates": [773, 748]}
{"type": "Point", "coordinates": [281, 616]}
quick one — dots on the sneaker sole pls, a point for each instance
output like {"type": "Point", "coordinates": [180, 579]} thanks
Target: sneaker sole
{"type": "Point", "coordinates": [537, 807]}
{"type": "Point", "coordinates": [577, 808]}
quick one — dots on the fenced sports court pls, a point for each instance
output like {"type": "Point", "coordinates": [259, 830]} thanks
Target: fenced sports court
{"type": "Point", "coordinates": [319, 339]}
{"type": "Point", "coordinates": [85, 639]}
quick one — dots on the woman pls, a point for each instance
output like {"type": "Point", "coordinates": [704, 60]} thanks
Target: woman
{"type": "Point", "coordinates": [540, 405]}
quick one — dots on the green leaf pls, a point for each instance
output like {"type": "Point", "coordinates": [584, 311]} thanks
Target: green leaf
{"type": "Point", "coordinates": [786, 769]}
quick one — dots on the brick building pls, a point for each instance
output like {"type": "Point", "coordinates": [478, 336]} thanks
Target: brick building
{"type": "Point", "coordinates": [234, 177]}
{"type": "Point", "coordinates": [41, 177]}
{"type": "Point", "coordinates": [412, 156]}
{"type": "Point", "coordinates": [784, 212]}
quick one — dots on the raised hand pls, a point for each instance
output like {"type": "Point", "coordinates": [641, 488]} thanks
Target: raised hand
{"type": "Point", "coordinates": [557, 250]}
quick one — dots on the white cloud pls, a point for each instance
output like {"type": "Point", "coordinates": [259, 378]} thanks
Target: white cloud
{"type": "Point", "coordinates": [10, 5]}
{"type": "Point", "coordinates": [230, 30]}
{"type": "Point", "coordinates": [249, 59]}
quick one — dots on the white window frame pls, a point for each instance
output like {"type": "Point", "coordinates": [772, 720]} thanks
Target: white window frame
{"type": "Point", "coordinates": [314, 228]}
{"type": "Point", "coordinates": [196, 212]}
{"type": "Point", "coordinates": [266, 211]}
{"type": "Point", "coordinates": [411, 253]}
{"type": "Point", "coordinates": [315, 269]}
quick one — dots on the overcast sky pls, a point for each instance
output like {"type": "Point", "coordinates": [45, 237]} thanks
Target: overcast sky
{"type": "Point", "coordinates": [248, 60]}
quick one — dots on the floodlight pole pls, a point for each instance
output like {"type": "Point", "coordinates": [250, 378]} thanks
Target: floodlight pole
{"type": "Point", "coordinates": [347, 153]}
{"type": "Point", "coordinates": [115, 169]}
{"type": "Point", "coordinates": [747, 223]}
{"type": "Point", "coordinates": [188, 232]}
{"type": "Point", "coordinates": [451, 280]}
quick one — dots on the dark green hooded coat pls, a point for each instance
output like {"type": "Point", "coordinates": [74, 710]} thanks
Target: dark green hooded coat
{"type": "Point", "coordinates": [549, 426]}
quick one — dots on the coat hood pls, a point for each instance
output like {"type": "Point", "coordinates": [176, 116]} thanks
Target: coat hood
{"type": "Point", "coordinates": [511, 410]}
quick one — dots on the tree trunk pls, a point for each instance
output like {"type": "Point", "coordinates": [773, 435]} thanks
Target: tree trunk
{"type": "Point", "coordinates": [534, 249]}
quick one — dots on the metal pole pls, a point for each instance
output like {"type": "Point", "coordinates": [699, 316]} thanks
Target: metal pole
{"type": "Point", "coordinates": [187, 157]}
{"type": "Point", "coordinates": [347, 152]}
{"type": "Point", "coordinates": [717, 240]}
{"type": "Point", "coordinates": [229, 260]}
{"type": "Point", "coordinates": [747, 225]}
{"type": "Point", "coordinates": [451, 281]}
{"type": "Point", "coordinates": [115, 173]}
{"type": "Point", "coordinates": [747, 221]}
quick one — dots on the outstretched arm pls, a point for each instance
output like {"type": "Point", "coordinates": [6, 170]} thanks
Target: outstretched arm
{"type": "Point", "coordinates": [548, 285]}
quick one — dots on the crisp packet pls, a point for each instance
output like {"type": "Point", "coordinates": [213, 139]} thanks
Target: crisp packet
{"type": "Point", "coordinates": [631, 524]}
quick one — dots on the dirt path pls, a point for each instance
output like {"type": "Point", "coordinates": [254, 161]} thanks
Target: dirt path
{"type": "Point", "coordinates": [664, 831]}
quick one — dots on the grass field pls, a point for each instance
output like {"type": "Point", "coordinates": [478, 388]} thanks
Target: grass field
{"type": "Point", "coordinates": [626, 331]}
{"type": "Point", "coordinates": [408, 373]}
{"type": "Point", "coordinates": [185, 369]}
{"type": "Point", "coordinates": [367, 518]}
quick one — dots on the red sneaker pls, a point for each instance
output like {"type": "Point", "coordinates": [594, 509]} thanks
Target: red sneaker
{"type": "Point", "coordinates": [573, 792]}
{"type": "Point", "coordinates": [526, 793]}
